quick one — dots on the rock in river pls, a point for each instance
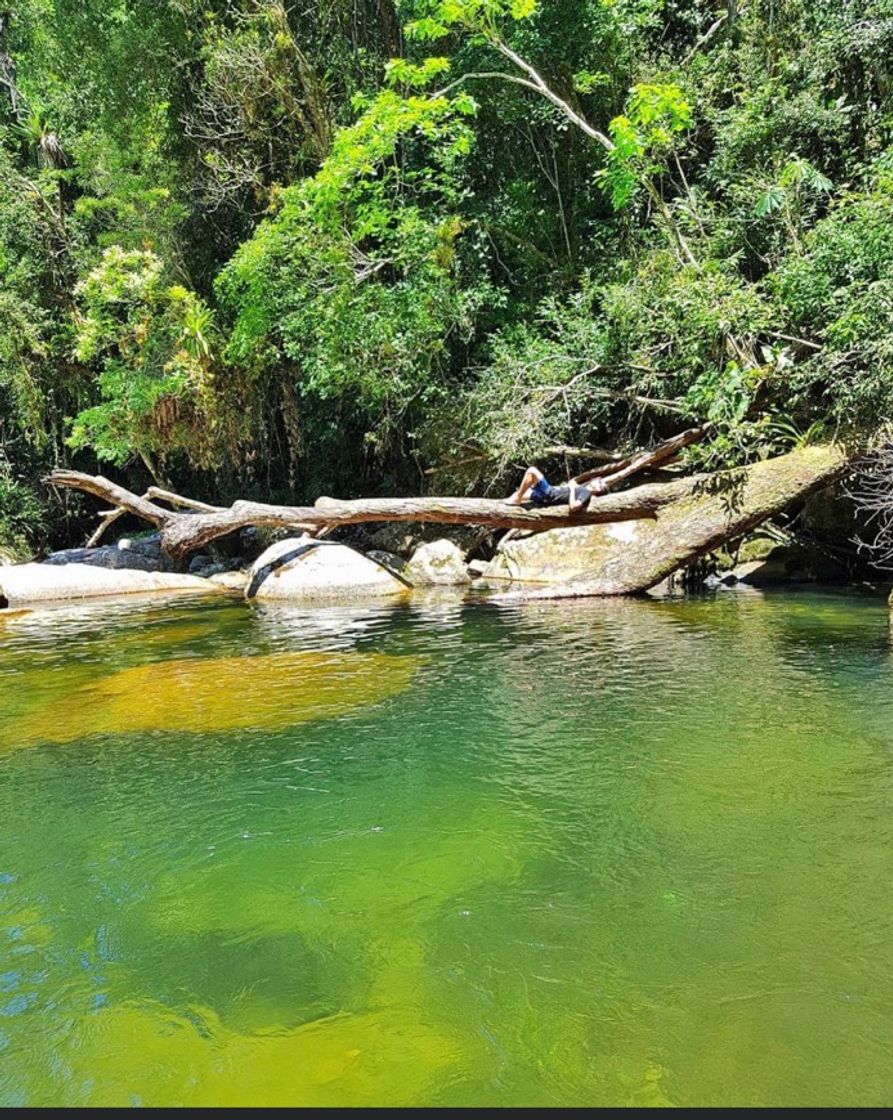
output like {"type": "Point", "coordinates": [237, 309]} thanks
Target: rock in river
{"type": "Point", "coordinates": [23, 584]}
{"type": "Point", "coordinates": [563, 555]}
{"type": "Point", "coordinates": [304, 568]}
{"type": "Point", "coordinates": [436, 564]}
{"type": "Point", "coordinates": [142, 555]}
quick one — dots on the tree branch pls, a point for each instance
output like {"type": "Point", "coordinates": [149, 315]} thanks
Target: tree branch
{"type": "Point", "coordinates": [182, 533]}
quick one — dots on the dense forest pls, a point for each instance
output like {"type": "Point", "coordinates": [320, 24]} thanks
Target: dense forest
{"type": "Point", "coordinates": [396, 246]}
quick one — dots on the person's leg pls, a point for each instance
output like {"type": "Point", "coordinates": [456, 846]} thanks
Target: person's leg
{"type": "Point", "coordinates": [531, 477]}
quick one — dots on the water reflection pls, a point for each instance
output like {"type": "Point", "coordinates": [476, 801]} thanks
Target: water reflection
{"type": "Point", "coordinates": [337, 626]}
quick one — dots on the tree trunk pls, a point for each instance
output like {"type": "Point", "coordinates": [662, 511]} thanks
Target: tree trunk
{"type": "Point", "coordinates": [182, 533]}
{"type": "Point", "coordinates": [625, 560]}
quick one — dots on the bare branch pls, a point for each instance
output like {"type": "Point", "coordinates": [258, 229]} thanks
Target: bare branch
{"type": "Point", "coordinates": [871, 490]}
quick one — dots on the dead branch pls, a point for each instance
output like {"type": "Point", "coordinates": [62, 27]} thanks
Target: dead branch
{"type": "Point", "coordinates": [182, 533]}
{"type": "Point", "coordinates": [665, 452]}
{"type": "Point", "coordinates": [871, 491]}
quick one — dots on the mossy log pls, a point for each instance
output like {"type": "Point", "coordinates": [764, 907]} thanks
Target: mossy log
{"type": "Point", "coordinates": [717, 508]}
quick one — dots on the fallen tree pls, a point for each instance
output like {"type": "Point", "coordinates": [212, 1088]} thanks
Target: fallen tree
{"type": "Point", "coordinates": [182, 533]}
{"type": "Point", "coordinates": [681, 519]}
{"type": "Point", "coordinates": [185, 532]}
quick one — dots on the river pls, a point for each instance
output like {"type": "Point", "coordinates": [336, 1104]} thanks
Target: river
{"type": "Point", "coordinates": [448, 853]}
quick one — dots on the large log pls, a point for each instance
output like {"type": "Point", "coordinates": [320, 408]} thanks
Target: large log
{"type": "Point", "coordinates": [182, 533]}
{"type": "Point", "coordinates": [718, 508]}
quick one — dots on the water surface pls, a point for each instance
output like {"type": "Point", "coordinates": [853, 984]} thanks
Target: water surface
{"type": "Point", "coordinates": [603, 853]}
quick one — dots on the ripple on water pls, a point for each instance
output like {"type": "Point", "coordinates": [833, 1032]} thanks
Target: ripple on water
{"type": "Point", "coordinates": [616, 853]}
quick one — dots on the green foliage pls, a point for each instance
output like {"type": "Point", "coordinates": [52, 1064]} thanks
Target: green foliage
{"type": "Point", "coordinates": [23, 517]}
{"type": "Point", "coordinates": [26, 293]}
{"type": "Point", "coordinates": [643, 137]}
{"type": "Point", "coordinates": [352, 286]}
{"type": "Point", "coordinates": [400, 71]}
{"type": "Point", "coordinates": [151, 342]}
{"type": "Point", "coordinates": [617, 357]}
{"type": "Point", "coordinates": [839, 293]}
{"type": "Point", "coordinates": [250, 240]}
{"type": "Point", "coordinates": [478, 16]}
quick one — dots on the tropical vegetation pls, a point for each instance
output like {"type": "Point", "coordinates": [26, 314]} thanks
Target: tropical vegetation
{"type": "Point", "coordinates": [382, 246]}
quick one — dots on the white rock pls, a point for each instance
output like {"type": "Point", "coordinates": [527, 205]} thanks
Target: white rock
{"type": "Point", "coordinates": [304, 568]}
{"type": "Point", "coordinates": [563, 555]}
{"type": "Point", "coordinates": [437, 563]}
{"type": "Point", "coordinates": [34, 583]}
{"type": "Point", "coordinates": [230, 581]}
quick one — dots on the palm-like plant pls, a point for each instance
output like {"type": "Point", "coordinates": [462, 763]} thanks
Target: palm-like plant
{"type": "Point", "coordinates": [35, 130]}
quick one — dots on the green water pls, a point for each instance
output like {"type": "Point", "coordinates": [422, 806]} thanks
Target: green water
{"type": "Point", "coordinates": [603, 853]}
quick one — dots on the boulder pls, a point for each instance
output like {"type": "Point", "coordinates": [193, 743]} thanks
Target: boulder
{"type": "Point", "coordinates": [230, 581]}
{"type": "Point", "coordinates": [758, 573]}
{"type": "Point", "coordinates": [305, 568]}
{"type": "Point", "coordinates": [436, 564]}
{"type": "Point", "coordinates": [149, 544]}
{"type": "Point", "coordinates": [790, 564]}
{"type": "Point", "coordinates": [34, 583]}
{"type": "Point", "coordinates": [205, 566]}
{"type": "Point", "coordinates": [405, 538]}
{"type": "Point", "coordinates": [563, 555]}
{"type": "Point", "coordinates": [755, 548]}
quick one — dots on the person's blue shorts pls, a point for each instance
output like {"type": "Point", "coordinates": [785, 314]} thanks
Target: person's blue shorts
{"type": "Point", "coordinates": [540, 492]}
{"type": "Point", "coordinates": [544, 494]}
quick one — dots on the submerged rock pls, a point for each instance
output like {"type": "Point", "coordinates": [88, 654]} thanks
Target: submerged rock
{"type": "Point", "coordinates": [303, 568]}
{"type": "Point", "coordinates": [22, 584]}
{"type": "Point", "coordinates": [439, 563]}
{"type": "Point", "coordinates": [225, 694]}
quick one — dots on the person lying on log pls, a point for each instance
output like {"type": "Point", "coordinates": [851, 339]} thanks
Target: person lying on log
{"type": "Point", "coordinates": [536, 488]}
